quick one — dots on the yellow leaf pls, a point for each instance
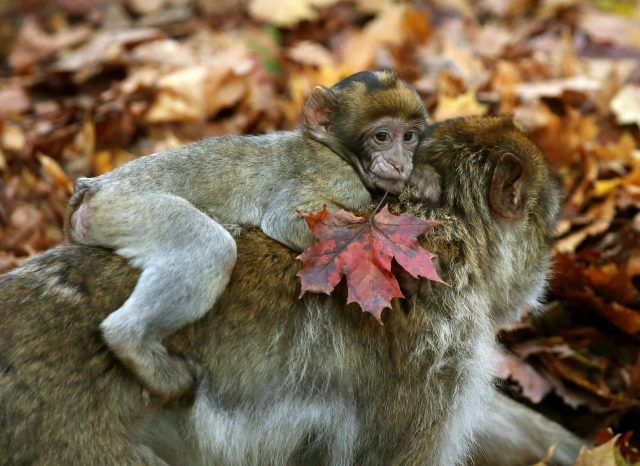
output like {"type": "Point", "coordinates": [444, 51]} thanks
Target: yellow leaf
{"type": "Point", "coordinates": [3, 162]}
{"type": "Point", "coordinates": [361, 49]}
{"type": "Point", "coordinates": [57, 174]}
{"type": "Point", "coordinates": [12, 138]}
{"type": "Point", "coordinates": [547, 457]}
{"type": "Point", "coordinates": [462, 105]}
{"type": "Point", "coordinates": [287, 13]}
{"type": "Point", "coordinates": [603, 187]}
{"type": "Point", "coordinates": [197, 92]}
{"type": "Point", "coordinates": [604, 455]}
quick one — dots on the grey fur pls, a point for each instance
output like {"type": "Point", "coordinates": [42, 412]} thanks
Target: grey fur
{"type": "Point", "coordinates": [164, 213]}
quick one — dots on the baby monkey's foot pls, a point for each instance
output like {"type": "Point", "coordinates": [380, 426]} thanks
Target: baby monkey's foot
{"type": "Point", "coordinates": [166, 377]}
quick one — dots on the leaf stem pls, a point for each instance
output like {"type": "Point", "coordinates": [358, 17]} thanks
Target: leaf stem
{"type": "Point", "coordinates": [375, 211]}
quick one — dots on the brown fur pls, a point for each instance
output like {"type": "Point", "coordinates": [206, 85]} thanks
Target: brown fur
{"type": "Point", "coordinates": [307, 381]}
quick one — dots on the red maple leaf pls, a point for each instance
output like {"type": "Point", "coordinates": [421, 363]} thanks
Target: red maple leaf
{"type": "Point", "coordinates": [362, 250]}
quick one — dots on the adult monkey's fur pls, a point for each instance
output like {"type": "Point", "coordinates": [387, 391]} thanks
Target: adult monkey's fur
{"type": "Point", "coordinates": [308, 381]}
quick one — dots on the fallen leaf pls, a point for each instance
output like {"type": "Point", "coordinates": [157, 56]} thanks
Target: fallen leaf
{"type": "Point", "coordinates": [555, 87]}
{"type": "Point", "coordinates": [491, 40]}
{"type": "Point", "coordinates": [626, 319]}
{"type": "Point", "coordinates": [604, 455]}
{"type": "Point", "coordinates": [34, 44]}
{"type": "Point", "coordinates": [197, 92]}
{"type": "Point", "coordinates": [362, 251]}
{"type": "Point", "coordinates": [14, 100]}
{"type": "Point", "coordinates": [105, 47]}
{"type": "Point", "coordinates": [464, 62]}
{"type": "Point", "coordinates": [372, 6]}
{"type": "Point", "coordinates": [287, 13]}
{"type": "Point", "coordinates": [599, 218]}
{"type": "Point", "coordinates": [623, 443]}
{"type": "Point", "coordinates": [53, 169]}
{"type": "Point", "coordinates": [611, 28]}
{"type": "Point", "coordinates": [12, 138]}
{"type": "Point", "coordinates": [626, 105]}
{"type": "Point", "coordinates": [311, 53]}
{"type": "Point", "coordinates": [462, 105]}
{"type": "Point", "coordinates": [547, 457]}
{"type": "Point", "coordinates": [387, 30]}
{"type": "Point", "coordinates": [555, 345]}
{"type": "Point", "coordinates": [534, 386]}
{"type": "Point", "coordinates": [576, 374]}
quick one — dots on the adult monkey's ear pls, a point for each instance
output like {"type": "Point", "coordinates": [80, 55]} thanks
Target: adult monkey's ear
{"type": "Point", "coordinates": [506, 194]}
{"type": "Point", "coordinates": [317, 111]}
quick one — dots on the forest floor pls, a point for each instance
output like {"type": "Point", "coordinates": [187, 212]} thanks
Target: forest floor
{"type": "Point", "coordinates": [86, 85]}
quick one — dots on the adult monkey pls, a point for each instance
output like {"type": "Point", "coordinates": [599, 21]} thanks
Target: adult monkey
{"type": "Point", "coordinates": [308, 381]}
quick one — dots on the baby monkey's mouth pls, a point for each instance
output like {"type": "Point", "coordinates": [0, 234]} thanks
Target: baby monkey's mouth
{"type": "Point", "coordinates": [393, 185]}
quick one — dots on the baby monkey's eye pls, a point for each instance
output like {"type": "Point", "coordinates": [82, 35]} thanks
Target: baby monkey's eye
{"type": "Point", "coordinates": [382, 136]}
{"type": "Point", "coordinates": [410, 136]}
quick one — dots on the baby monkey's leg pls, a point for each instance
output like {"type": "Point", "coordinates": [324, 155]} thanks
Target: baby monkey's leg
{"type": "Point", "coordinates": [186, 260]}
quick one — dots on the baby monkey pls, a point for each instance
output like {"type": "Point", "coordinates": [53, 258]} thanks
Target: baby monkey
{"type": "Point", "coordinates": [165, 212]}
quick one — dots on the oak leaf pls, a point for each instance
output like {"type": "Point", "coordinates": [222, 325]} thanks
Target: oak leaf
{"type": "Point", "coordinates": [362, 250]}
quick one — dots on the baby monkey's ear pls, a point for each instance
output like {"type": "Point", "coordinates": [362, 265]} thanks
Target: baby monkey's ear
{"type": "Point", "coordinates": [506, 193]}
{"type": "Point", "coordinates": [318, 110]}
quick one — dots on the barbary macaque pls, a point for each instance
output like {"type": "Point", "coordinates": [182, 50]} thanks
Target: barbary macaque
{"type": "Point", "coordinates": [290, 381]}
{"type": "Point", "coordinates": [165, 213]}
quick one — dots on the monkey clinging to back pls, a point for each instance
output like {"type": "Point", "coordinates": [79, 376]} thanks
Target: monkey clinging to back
{"type": "Point", "coordinates": [164, 212]}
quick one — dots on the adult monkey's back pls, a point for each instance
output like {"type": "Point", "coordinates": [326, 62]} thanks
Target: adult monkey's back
{"type": "Point", "coordinates": [309, 381]}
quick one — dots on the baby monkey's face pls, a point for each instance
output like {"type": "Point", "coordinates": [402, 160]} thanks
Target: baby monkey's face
{"type": "Point", "coordinates": [388, 148]}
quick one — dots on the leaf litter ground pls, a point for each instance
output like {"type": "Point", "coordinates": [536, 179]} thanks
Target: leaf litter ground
{"type": "Point", "coordinates": [86, 85]}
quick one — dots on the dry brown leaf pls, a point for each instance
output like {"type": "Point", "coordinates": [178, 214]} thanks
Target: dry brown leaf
{"type": "Point", "coordinates": [3, 168]}
{"type": "Point", "coordinates": [106, 160]}
{"type": "Point", "coordinates": [387, 29]}
{"type": "Point", "coordinates": [34, 44]}
{"type": "Point", "coordinates": [607, 70]}
{"type": "Point", "coordinates": [464, 7]}
{"type": "Point", "coordinates": [490, 40]}
{"type": "Point", "coordinates": [462, 105]}
{"type": "Point", "coordinates": [551, 8]}
{"type": "Point", "coordinates": [464, 62]}
{"type": "Point", "coordinates": [626, 105]}
{"type": "Point", "coordinates": [555, 345]}
{"type": "Point", "coordinates": [12, 138]}
{"type": "Point", "coordinates": [600, 215]}
{"type": "Point", "coordinates": [198, 92]}
{"type": "Point", "coordinates": [534, 386]}
{"type": "Point", "coordinates": [104, 47]}
{"type": "Point", "coordinates": [57, 174]}
{"type": "Point", "coordinates": [165, 53]}
{"type": "Point", "coordinates": [144, 7]}
{"type": "Point", "coordinates": [555, 87]}
{"type": "Point", "coordinates": [604, 455]}
{"type": "Point", "coordinates": [14, 100]}
{"type": "Point", "coordinates": [311, 53]}
{"type": "Point", "coordinates": [287, 13]}
{"type": "Point", "coordinates": [626, 319]}
{"type": "Point", "coordinates": [577, 374]}
{"type": "Point", "coordinates": [372, 6]}
{"type": "Point", "coordinates": [621, 150]}
{"type": "Point", "coordinates": [610, 28]}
